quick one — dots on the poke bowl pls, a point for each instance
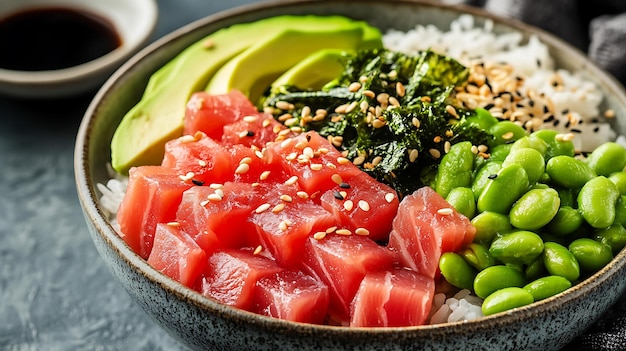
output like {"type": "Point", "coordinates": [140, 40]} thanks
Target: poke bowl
{"type": "Point", "coordinates": [392, 275]}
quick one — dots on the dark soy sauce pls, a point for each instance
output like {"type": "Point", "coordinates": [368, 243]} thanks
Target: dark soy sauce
{"type": "Point", "coordinates": [51, 38]}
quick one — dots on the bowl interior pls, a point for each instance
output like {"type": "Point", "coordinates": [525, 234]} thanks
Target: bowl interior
{"type": "Point", "coordinates": [126, 86]}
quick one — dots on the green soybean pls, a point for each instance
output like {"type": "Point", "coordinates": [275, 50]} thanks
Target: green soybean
{"type": "Point", "coordinates": [506, 299]}
{"type": "Point", "coordinates": [462, 199]}
{"type": "Point", "coordinates": [535, 209]}
{"type": "Point", "coordinates": [558, 260]}
{"type": "Point", "coordinates": [456, 270]}
{"type": "Point", "coordinates": [482, 176]}
{"type": "Point", "coordinates": [506, 132]}
{"type": "Point", "coordinates": [566, 221]}
{"type": "Point", "coordinates": [500, 152]}
{"type": "Point", "coordinates": [548, 286]}
{"type": "Point", "coordinates": [555, 146]}
{"type": "Point", "coordinates": [569, 172]}
{"type": "Point", "coordinates": [619, 178]}
{"type": "Point", "coordinates": [567, 196]}
{"type": "Point", "coordinates": [607, 158]}
{"type": "Point", "coordinates": [535, 269]}
{"type": "Point", "coordinates": [518, 247]}
{"type": "Point", "coordinates": [494, 278]}
{"type": "Point", "coordinates": [613, 236]}
{"type": "Point", "coordinates": [530, 159]}
{"type": "Point", "coordinates": [530, 142]}
{"type": "Point", "coordinates": [597, 200]}
{"type": "Point", "coordinates": [482, 119]}
{"type": "Point", "coordinates": [455, 168]}
{"type": "Point", "coordinates": [488, 224]}
{"type": "Point", "coordinates": [503, 190]}
{"type": "Point", "coordinates": [620, 211]}
{"type": "Point", "coordinates": [591, 255]}
{"type": "Point", "coordinates": [478, 256]}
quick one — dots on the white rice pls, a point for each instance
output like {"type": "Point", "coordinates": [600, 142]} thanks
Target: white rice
{"type": "Point", "coordinates": [466, 42]}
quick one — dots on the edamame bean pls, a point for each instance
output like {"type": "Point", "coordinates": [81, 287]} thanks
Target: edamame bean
{"type": "Point", "coordinates": [489, 223]}
{"type": "Point", "coordinates": [456, 270]}
{"type": "Point", "coordinates": [455, 169]}
{"type": "Point", "coordinates": [535, 208]}
{"type": "Point", "coordinates": [619, 178]}
{"type": "Point", "coordinates": [500, 152]}
{"type": "Point", "coordinates": [597, 200]}
{"type": "Point", "coordinates": [607, 158]}
{"type": "Point", "coordinates": [483, 119]}
{"type": "Point", "coordinates": [503, 190]}
{"type": "Point", "coordinates": [555, 146]}
{"type": "Point", "coordinates": [518, 247]}
{"type": "Point", "coordinates": [566, 221]}
{"type": "Point", "coordinates": [545, 287]}
{"type": "Point", "coordinates": [591, 255]}
{"type": "Point", "coordinates": [530, 159]}
{"type": "Point", "coordinates": [535, 269]}
{"type": "Point", "coordinates": [506, 299]}
{"type": "Point", "coordinates": [532, 142]}
{"type": "Point", "coordinates": [558, 260]}
{"type": "Point", "coordinates": [462, 199]}
{"type": "Point", "coordinates": [620, 211]}
{"type": "Point", "coordinates": [506, 132]}
{"type": "Point", "coordinates": [488, 170]}
{"type": "Point", "coordinates": [495, 278]}
{"type": "Point", "coordinates": [567, 196]}
{"type": "Point", "coordinates": [569, 172]}
{"type": "Point", "coordinates": [613, 236]}
{"type": "Point", "coordinates": [478, 256]}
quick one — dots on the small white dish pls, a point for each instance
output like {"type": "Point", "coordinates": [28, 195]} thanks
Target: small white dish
{"type": "Point", "coordinates": [133, 21]}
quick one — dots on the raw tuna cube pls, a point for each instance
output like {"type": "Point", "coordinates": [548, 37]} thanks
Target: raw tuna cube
{"type": "Point", "coordinates": [216, 215]}
{"type": "Point", "coordinates": [285, 220]}
{"type": "Point", "coordinates": [177, 255]}
{"type": "Point", "coordinates": [292, 295]}
{"type": "Point", "coordinates": [363, 203]}
{"type": "Point", "coordinates": [392, 298]}
{"type": "Point", "coordinates": [425, 227]}
{"type": "Point", "coordinates": [210, 113]}
{"type": "Point", "coordinates": [233, 274]}
{"type": "Point", "coordinates": [152, 197]}
{"type": "Point", "coordinates": [341, 262]}
{"type": "Point", "coordinates": [198, 157]}
{"type": "Point", "coordinates": [255, 169]}
{"type": "Point", "coordinates": [318, 165]}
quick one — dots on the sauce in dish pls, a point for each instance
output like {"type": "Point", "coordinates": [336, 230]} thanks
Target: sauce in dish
{"type": "Point", "coordinates": [50, 38]}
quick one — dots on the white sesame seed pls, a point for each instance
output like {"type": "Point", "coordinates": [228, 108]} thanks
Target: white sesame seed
{"type": "Point", "coordinates": [284, 225]}
{"type": "Point", "coordinates": [319, 235]}
{"type": "Point", "coordinates": [264, 175]}
{"type": "Point", "coordinates": [286, 198]}
{"type": "Point", "coordinates": [316, 166]}
{"type": "Point", "coordinates": [204, 203]}
{"type": "Point", "coordinates": [348, 205]}
{"type": "Point", "coordinates": [219, 192]}
{"type": "Point", "coordinates": [202, 163]}
{"type": "Point", "coordinates": [330, 230]}
{"type": "Point", "coordinates": [434, 153]}
{"type": "Point", "coordinates": [342, 160]}
{"type": "Point", "coordinates": [364, 205]}
{"type": "Point", "coordinates": [250, 119]}
{"type": "Point", "coordinates": [242, 168]}
{"type": "Point", "coordinates": [284, 105]}
{"type": "Point", "coordinates": [278, 208]}
{"type": "Point", "coordinates": [173, 224]}
{"type": "Point", "coordinates": [246, 160]}
{"type": "Point", "coordinates": [216, 186]}
{"type": "Point", "coordinates": [262, 208]}
{"type": "Point", "coordinates": [362, 231]}
{"type": "Point", "coordinates": [343, 232]}
{"type": "Point", "coordinates": [389, 197]}
{"type": "Point", "coordinates": [292, 180]}
{"type": "Point", "coordinates": [258, 250]}
{"type": "Point", "coordinates": [214, 197]}
{"type": "Point", "coordinates": [302, 194]}
{"type": "Point", "coordinates": [413, 153]}
{"type": "Point", "coordinates": [445, 211]}
{"type": "Point", "coordinates": [187, 139]}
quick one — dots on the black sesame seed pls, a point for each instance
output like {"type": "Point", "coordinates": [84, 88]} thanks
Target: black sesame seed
{"type": "Point", "coordinates": [546, 109]}
{"type": "Point", "coordinates": [250, 133]}
{"type": "Point", "coordinates": [574, 130]}
{"type": "Point", "coordinates": [492, 176]}
{"type": "Point", "coordinates": [344, 186]}
{"type": "Point", "coordinates": [565, 111]}
{"type": "Point", "coordinates": [531, 103]}
{"type": "Point", "coordinates": [197, 182]}
{"type": "Point", "coordinates": [567, 124]}
{"type": "Point", "coordinates": [556, 122]}
{"type": "Point", "coordinates": [550, 118]}
{"type": "Point", "coordinates": [338, 195]}
{"type": "Point", "coordinates": [596, 129]}
{"type": "Point", "coordinates": [489, 106]}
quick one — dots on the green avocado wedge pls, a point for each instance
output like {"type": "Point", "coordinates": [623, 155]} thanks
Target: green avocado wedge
{"type": "Point", "coordinates": [314, 71]}
{"type": "Point", "coordinates": [158, 116]}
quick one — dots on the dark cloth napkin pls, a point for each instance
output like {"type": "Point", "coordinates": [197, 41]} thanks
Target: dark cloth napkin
{"type": "Point", "coordinates": [598, 28]}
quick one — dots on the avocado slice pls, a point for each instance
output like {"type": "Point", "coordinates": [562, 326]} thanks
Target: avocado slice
{"type": "Point", "coordinates": [314, 71]}
{"type": "Point", "coordinates": [158, 116]}
{"type": "Point", "coordinates": [253, 70]}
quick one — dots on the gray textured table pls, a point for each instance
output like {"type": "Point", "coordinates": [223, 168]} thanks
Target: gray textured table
{"type": "Point", "coordinates": [55, 292]}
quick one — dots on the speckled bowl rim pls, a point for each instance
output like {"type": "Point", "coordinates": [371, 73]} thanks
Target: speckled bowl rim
{"type": "Point", "coordinates": [89, 201]}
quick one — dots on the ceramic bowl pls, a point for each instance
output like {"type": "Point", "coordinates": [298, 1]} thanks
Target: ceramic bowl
{"type": "Point", "coordinates": [201, 323]}
{"type": "Point", "coordinates": [134, 21]}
